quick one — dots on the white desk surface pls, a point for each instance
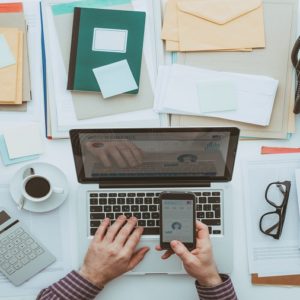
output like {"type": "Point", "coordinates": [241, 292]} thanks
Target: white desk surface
{"type": "Point", "coordinates": [163, 287]}
{"type": "Point", "coordinates": [58, 152]}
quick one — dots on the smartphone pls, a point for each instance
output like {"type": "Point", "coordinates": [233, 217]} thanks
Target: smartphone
{"type": "Point", "coordinates": [177, 219]}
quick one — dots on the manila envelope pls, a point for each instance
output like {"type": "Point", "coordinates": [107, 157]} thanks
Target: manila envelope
{"type": "Point", "coordinates": [170, 25]}
{"type": "Point", "coordinates": [170, 29]}
{"type": "Point", "coordinates": [220, 25]}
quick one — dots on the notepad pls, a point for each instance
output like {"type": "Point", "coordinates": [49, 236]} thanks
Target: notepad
{"type": "Point", "coordinates": [6, 58]}
{"type": "Point", "coordinates": [23, 141]}
{"type": "Point", "coordinates": [5, 156]}
{"type": "Point", "coordinates": [115, 79]}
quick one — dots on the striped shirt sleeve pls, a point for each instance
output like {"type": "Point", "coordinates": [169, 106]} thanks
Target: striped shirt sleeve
{"type": "Point", "coordinates": [71, 287]}
{"type": "Point", "coordinates": [223, 291]}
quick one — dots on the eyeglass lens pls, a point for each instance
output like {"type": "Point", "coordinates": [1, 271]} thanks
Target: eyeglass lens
{"type": "Point", "coordinates": [276, 193]}
{"type": "Point", "coordinates": [270, 223]}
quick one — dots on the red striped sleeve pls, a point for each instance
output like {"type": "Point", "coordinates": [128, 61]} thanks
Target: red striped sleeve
{"type": "Point", "coordinates": [71, 287]}
{"type": "Point", "coordinates": [223, 291]}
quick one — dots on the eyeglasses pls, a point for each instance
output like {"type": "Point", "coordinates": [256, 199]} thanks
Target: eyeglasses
{"type": "Point", "coordinates": [296, 64]}
{"type": "Point", "coordinates": [277, 195]}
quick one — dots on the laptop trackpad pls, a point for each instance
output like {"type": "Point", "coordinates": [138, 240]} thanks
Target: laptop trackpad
{"type": "Point", "coordinates": [152, 263]}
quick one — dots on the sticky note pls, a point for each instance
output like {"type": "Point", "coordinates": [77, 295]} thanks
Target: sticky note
{"type": "Point", "coordinates": [115, 79]}
{"type": "Point", "coordinates": [23, 140]}
{"type": "Point", "coordinates": [110, 40]}
{"type": "Point", "coordinates": [5, 157]}
{"type": "Point", "coordinates": [6, 56]}
{"type": "Point", "coordinates": [217, 95]}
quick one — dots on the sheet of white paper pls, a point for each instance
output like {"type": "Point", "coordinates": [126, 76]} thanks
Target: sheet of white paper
{"type": "Point", "coordinates": [217, 95]}
{"type": "Point", "coordinates": [297, 178]}
{"type": "Point", "coordinates": [110, 40]}
{"type": "Point", "coordinates": [266, 255]}
{"type": "Point", "coordinates": [255, 94]}
{"type": "Point", "coordinates": [23, 140]}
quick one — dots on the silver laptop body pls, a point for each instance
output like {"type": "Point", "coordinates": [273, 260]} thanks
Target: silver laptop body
{"type": "Point", "coordinates": [198, 160]}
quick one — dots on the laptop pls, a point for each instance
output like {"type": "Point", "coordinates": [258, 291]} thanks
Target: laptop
{"type": "Point", "coordinates": [123, 171]}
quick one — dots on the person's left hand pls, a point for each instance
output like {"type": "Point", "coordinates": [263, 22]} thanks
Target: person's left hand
{"type": "Point", "coordinates": [113, 252]}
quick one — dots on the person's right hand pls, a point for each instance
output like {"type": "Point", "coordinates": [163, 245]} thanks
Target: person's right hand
{"type": "Point", "coordinates": [199, 263]}
{"type": "Point", "coordinates": [112, 251]}
{"type": "Point", "coordinates": [123, 153]}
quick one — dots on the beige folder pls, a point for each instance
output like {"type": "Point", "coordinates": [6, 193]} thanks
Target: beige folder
{"type": "Point", "coordinates": [17, 20]}
{"type": "Point", "coordinates": [9, 74]}
{"type": "Point", "coordinates": [19, 93]}
{"type": "Point", "coordinates": [90, 105]}
{"type": "Point", "coordinates": [273, 61]}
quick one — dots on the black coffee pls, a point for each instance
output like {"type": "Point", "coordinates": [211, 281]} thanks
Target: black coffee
{"type": "Point", "coordinates": [37, 187]}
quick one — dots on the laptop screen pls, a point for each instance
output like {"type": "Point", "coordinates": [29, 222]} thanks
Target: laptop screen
{"type": "Point", "coordinates": [160, 153]}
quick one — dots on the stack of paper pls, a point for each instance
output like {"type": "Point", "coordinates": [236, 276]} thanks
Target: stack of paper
{"type": "Point", "coordinates": [20, 143]}
{"type": "Point", "coordinates": [234, 25]}
{"type": "Point", "coordinates": [202, 92]}
{"type": "Point", "coordinates": [266, 255]}
{"type": "Point", "coordinates": [67, 109]}
{"type": "Point", "coordinates": [14, 65]}
{"type": "Point", "coordinates": [273, 61]}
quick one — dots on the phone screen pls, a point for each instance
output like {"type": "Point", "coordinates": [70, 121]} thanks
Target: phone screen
{"type": "Point", "coordinates": [177, 220]}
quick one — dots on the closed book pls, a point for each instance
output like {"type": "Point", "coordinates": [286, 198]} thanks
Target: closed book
{"type": "Point", "coordinates": [101, 37]}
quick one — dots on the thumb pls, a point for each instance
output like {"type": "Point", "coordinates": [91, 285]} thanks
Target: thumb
{"type": "Point", "coordinates": [181, 251]}
{"type": "Point", "coordinates": [137, 257]}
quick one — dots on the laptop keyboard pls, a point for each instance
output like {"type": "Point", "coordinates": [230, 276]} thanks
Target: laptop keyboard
{"type": "Point", "coordinates": [145, 207]}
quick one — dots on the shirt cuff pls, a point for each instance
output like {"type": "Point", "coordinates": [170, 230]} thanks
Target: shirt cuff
{"type": "Point", "coordinates": [223, 291]}
{"type": "Point", "coordinates": [74, 287]}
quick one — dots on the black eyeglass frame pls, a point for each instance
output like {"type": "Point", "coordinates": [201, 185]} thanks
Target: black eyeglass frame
{"type": "Point", "coordinates": [279, 209]}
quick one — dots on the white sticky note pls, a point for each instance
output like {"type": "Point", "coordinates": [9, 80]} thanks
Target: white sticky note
{"type": "Point", "coordinates": [115, 79]}
{"type": "Point", "coordinates": [6, 56]}
{"type": "Point", "coordinates": [110, 40]}
{"type": "Point", "coordinates": [217, 95]}
{"type": "Point", "coordinates": [23, 140]}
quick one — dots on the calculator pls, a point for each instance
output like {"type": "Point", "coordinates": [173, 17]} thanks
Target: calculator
{"type": "Point", "coordinates": [21, 254]}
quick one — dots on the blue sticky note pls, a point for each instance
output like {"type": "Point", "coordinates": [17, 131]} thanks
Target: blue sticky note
{"type": "Point", "coordinates": [5, 157]}
{"type": "Point", "coordinates": [217, 95]}
{"type": "Point", "coordinates": [6, 56]}
{"type": "Point", "coordinates": [115, 79]}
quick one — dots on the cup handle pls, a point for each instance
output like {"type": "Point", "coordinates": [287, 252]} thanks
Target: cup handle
{"type": "Point", "coordinates": [58, 190]}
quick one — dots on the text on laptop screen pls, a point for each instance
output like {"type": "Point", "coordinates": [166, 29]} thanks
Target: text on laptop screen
{"type": "Point", "coordinates": [154, 154]}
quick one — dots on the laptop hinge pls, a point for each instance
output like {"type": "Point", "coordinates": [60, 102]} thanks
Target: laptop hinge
{"type": "Point", "coordinates": [143, 184]}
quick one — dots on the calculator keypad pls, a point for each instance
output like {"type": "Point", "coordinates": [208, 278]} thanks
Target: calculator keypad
{"type": "Point", "coordinates": [17, 250]}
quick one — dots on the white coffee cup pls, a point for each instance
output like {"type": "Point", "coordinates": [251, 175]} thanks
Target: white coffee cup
{"type": "Point", "coordinates": [38, 188]}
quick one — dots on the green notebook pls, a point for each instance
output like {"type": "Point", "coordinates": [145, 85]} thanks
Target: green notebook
{"type": "Point", "coordinates": [101, 37]}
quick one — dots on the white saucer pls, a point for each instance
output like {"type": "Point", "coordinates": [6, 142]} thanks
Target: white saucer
{"type": "Point", "coordinates": [55, 176]}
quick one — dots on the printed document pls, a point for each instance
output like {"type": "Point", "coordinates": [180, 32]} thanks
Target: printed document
{"type": "Point", "coordinates": [266, 255]}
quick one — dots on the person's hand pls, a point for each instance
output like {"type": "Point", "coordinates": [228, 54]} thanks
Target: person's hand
{"type": "Point", "coordinates": [123, 153]}
{"type": "Point", "coordinates": [112, 251]}
{"type": "Point", "coordinates": [199, 263]}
